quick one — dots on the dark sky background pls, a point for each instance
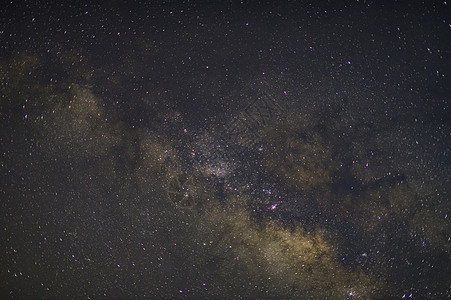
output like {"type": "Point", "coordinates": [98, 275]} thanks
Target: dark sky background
{"type": "Point", "coordinates": [224, 150]}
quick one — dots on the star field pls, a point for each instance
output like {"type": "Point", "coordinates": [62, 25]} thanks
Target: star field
{"type": "Point", "coordinates": [230, 150]}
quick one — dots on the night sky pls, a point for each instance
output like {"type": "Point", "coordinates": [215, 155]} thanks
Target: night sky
{"type": "Point", "coordinates": [225, 150]}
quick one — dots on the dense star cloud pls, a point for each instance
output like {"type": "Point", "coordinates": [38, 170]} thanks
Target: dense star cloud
{"type": "Point", "coordinates": [236, 150]}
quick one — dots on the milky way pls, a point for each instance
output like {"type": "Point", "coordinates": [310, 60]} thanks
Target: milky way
{"type": "Point", "coordinates": [278, 150]}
